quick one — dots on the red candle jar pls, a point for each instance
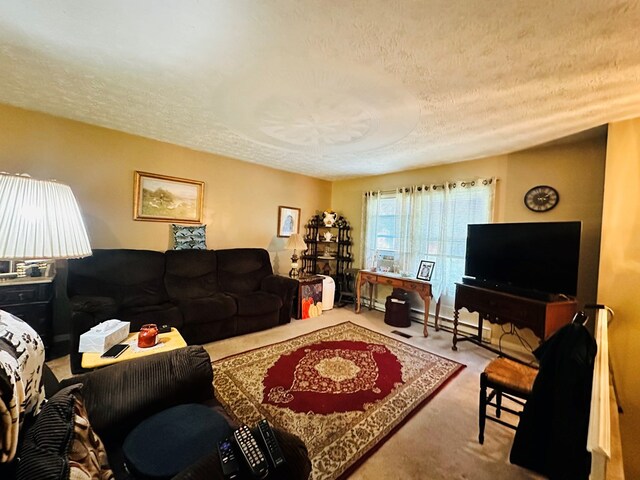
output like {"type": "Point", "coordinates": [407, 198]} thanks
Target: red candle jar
{"type": "Point", "coordinates": [148, 335]}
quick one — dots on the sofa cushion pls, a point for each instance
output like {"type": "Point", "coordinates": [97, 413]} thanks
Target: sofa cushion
{"type": "Point", "coordinates": [209, 309]}
{"type": "Point", "coordinates": [162, 314]}
{"type": "Point", "coordinates": [191, 273]}
{"type": "Point", "coordinates": [193, 431]}
{"type": "Point", "coordinates": [241, 270]}
{"type": "Point", "coordinates": [132, 277]}
{"type": "Point", "coordinates": [102, 306]}
{"type": "Point", "coordinates": [61, 444]}
{"type": "Point", "coordinates": [257, 303]}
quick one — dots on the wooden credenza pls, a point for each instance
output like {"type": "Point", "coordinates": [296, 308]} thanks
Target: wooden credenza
{"type": "Point", "coordinates": [542, 317]}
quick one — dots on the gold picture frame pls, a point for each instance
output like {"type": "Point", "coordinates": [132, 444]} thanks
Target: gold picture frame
{"type": "Point", "coordinates": [161, 198]}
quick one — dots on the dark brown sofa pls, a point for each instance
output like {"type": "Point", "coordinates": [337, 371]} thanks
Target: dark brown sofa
{"type": "Point", "coordinates": [206, 294]}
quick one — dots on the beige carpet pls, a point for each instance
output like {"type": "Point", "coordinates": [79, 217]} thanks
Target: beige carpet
{"type": "Point", "coordinates": [439, 442]}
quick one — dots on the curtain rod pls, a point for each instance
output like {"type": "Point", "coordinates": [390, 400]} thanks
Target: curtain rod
{"type": "Point", "coordinates": [463, 184]}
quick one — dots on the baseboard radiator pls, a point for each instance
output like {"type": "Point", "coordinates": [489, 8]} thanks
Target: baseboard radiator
{"type": "Point", "coordinates": [606, 462]}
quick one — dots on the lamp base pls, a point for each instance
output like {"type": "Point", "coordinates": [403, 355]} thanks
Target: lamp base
{"type": "Point", "coordinates": [294, 272]}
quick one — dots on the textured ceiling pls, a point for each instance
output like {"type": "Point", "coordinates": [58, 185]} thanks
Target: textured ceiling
{"type": "Point", "coordinates": [331, 88]}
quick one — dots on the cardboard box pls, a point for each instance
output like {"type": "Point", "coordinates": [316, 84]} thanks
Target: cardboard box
{"type": "Point", "coordinates": [103, 336]}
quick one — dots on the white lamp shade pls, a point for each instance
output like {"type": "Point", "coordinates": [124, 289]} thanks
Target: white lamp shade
{"type": "Point", "coordinates": [295, 242]}
{"type": "Point", "coordinates": [39, 219]}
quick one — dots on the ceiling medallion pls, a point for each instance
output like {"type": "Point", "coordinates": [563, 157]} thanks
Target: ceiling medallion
{"type": "Point", "coordinates": [318, 109]}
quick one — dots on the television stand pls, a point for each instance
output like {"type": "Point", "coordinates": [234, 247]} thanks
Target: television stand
{"type": "Point", "coordinates": [542, 317]}
{"type": "Point", "coordinates": [513, 290]}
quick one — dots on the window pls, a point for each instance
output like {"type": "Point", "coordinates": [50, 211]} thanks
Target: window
{"type": "Point", "coordinates": [427, 222]}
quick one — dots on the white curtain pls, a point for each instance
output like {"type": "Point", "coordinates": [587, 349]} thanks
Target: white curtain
{"type": "Point", "coordinates": [431, 224]}
{"type": "Point", "coordinates": [368, 234]}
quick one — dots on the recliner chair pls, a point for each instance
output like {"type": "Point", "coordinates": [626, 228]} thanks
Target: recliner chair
{"type": "Point", "coordinates": [117, 398]}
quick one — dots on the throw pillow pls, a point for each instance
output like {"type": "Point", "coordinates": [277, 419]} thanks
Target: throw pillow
{"type": "Point", "coordinates": [61, 443]}
{"type": "Point", "coordinates": [189, 237]}
{"type": "Point", "coordinates": [21, 389]}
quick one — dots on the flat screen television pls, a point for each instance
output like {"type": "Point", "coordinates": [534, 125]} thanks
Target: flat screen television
{"type": "Point", "coordinates": [536, 257]}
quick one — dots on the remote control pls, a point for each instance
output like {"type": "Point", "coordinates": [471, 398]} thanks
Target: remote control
{"type": "Point", "coordinates": [252, 454]}
{"type": "Point", "coordinates": [269, 439]}
{"type": "Point", "coordinates": [228, 461]}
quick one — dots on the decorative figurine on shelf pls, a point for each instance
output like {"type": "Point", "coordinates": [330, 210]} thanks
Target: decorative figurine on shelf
{"type": "Point", "coordinates": [326, 270]}
{"type": "Point", "coordinates": [329, 217]}
{"type": "Point", "coordinates": [328, 236]}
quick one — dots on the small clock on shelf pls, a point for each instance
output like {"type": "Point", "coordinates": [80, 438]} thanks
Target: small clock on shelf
{"type": "Point", "coordinates": [541, 198]}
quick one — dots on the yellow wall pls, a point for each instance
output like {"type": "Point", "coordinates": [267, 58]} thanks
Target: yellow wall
{"type": "Point", "coordinates": [241, 199]}
{"type": "Point", "coordinates": [576, 170]}
{"type": "Point", "coordinates": [619, 283]}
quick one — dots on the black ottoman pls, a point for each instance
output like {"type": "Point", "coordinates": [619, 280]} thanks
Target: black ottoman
{"type": "Point", "coordinates": [168, 442]}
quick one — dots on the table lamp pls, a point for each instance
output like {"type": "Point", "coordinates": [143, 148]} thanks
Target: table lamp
{"type": "Point", "coordinates": [39, 219]}
{"type": "Point", "coordinates": [295, 242]}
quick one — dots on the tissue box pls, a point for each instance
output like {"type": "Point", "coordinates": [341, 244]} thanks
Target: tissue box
{"type": "Point", "coordinates": [103, 336]}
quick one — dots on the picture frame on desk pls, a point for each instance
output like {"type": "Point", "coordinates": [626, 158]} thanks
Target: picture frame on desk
{"type": "Point", "coordinates": [425, 270]}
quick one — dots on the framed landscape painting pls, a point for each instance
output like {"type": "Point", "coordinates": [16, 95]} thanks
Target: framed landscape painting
{"type": "Point", "coordinates": [159, 198]}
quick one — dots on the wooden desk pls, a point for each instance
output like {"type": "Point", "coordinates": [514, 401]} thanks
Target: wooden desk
{"type": "Point", "coordinates": [166, 342]}
{"type": "Point", "coordinates": [543, 318]}
{"type": "Point", "coordinates": [421, 287]}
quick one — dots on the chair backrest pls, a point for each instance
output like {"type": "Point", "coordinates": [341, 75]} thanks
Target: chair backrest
{"type": "Point", "coordinates": [350, 275]}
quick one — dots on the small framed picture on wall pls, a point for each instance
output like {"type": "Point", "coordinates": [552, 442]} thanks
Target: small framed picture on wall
{"type": "Point", "coordinates": [288, 221]}
{"type": "Point", "coordinates": [425, 270]}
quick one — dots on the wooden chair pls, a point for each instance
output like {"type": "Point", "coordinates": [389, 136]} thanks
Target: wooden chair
{"type": "Point", "coordinates": [347, 293]}
{"type": "Point", "coordinates": [506, 378]}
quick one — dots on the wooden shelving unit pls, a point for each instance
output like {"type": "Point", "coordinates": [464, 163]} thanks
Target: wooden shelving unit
{"type": "Point", "coordinates": [327, 257]}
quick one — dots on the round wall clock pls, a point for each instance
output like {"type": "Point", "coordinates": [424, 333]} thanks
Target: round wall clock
{"type": "Point", "coordinates": [541, 198]}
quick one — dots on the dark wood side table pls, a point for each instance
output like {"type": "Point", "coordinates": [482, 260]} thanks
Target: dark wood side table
{"type": "Point", "coordinates": [31, 299]}
{"type": "Point", "coordinates": [542, 317]}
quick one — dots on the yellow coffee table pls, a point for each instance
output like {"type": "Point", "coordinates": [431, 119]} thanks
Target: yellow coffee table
{"type": "Point", "coordinates": [166, 341]}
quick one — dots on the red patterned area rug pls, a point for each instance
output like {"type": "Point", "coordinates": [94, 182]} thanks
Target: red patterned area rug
{"type": "Point", "coordinates": [342, 389]}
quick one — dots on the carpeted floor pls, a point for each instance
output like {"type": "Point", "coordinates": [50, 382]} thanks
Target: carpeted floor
{"type": "Point", "coordinates": [343, 389]}
{"type": "Point", "coordinates": [439, 442]}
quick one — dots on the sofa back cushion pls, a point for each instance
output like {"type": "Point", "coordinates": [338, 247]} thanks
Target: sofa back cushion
{"type": "Point", "coordinates": [241, 270]}
{"type": "Point", "coordinates": [191, 274]}
{"type": "Point", "coordinates": [135, 278]}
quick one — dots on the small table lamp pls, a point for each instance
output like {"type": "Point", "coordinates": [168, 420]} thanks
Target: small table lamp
{"type": "Point", "coordinates": [39, 219]}
{"type": "Point", "coordinates": [295, 242]}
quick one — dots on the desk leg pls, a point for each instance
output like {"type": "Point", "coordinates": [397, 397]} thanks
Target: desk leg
{"type": "Point", "coordinates": [358, 293]}
{"type": "Point", "coordinates": [437, 321]}
{"type": "Point", "coordinates": [371, 296]}
{"type": "Point", "coordinates": [426, 314]}
{"type": "Point", "coordinates": [455, 329]}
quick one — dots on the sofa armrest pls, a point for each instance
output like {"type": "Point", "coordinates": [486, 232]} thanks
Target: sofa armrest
{"type": "Point", "coordinates": [297, 466]}
{"type": "Point", "coordinates": [283, 287]}
{"type": "Point", "coordinates": [87, 312]}
{"type": "Point", "coordinates": [118, 397]}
